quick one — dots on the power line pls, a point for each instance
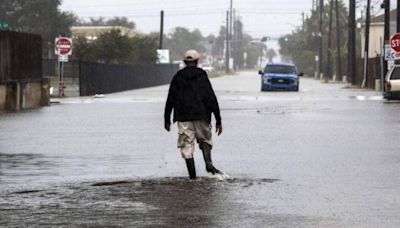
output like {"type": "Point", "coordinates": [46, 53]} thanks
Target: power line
{"type": "Point", "coordinates": [151, 15]}
{"type": "Point", "coordinates": [180, 14]}
{"type": "Point", "coordinates": [204, 12]}
{"type": "Point", "coordinates": [147, 3]}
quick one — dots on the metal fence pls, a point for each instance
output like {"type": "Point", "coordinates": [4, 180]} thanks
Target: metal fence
{"type": "Point", "coordinates": [50, 68]}
{"type": "Point", "coordinates": [97, 78]}
{"type": "Point", "coordinates": [374, 72]}
{"type": "Point", "coordinates": [20, 57]}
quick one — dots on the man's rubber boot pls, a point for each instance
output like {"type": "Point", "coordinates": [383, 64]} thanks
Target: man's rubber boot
{"type": "Point", "coordinates": [206, 148]}
{"type": "Point", "coordinates": [191, 168]}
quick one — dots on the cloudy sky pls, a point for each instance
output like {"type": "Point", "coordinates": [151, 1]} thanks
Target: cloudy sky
{"type": "Point", "coordinates": [260, 17]}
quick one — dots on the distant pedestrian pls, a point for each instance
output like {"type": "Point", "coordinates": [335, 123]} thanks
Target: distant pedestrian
{"type": "Point", "coordinates": [192, 99]}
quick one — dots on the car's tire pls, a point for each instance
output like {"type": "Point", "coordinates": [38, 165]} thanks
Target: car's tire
{"type": "Point", "coordinates": [387, 96]}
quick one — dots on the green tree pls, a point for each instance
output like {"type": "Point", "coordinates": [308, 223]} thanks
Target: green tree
{"type": "Point", "coordinates": [301, 45]}
{"type": "Point", "coordinates": [238, 44]}
{"type": "Point", "coordinates": [219, 44]}
{"type": "Point", "coordinates": [41, 17]}
{"type": "Point", "coordinates": [112, 47]}
{"type": "Point", "coordinates": [271, 54]}
{"type": "Point", "coordinates": [182, 39]}
{"type": "Point", "coordinates": [254, 52]}
{"type": "Point", "coordinates": [83, 50]}
{"type": "Point", "coordinates": [144, 49]}
{"type": "Point", "coordinates": [101, 21]}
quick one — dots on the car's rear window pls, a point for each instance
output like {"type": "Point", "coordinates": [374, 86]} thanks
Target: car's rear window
{"type": "Point", "coordinates": [396, 74]}
{"type": "Point", "coordinates": [280, 69]}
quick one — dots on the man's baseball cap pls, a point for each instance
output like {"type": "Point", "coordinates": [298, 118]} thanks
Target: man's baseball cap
{"type": "Point", "coordinates": [191, 55]}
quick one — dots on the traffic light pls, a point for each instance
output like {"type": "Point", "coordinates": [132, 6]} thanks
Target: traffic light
{"type": "Point", "coordinates": [265, 38]}
{"type": "Point", "coordinates": [384, 4]}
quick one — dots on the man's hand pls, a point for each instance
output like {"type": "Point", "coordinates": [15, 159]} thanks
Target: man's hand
{"type": "Point", "coordinates": [218, 129]}
{"type": "Point", "coordinates": [167, 126]}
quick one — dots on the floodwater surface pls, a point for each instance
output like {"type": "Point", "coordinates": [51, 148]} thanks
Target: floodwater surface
{"type": "Point", "coordinates": [326, 156]}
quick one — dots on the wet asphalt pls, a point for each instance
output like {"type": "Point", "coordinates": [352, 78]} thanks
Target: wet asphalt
{"type": "Point", "coordinates": [327, 156]}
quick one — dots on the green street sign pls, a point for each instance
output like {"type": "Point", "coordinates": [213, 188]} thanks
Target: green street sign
{"type": "Point", "coordinates": [4, 25]}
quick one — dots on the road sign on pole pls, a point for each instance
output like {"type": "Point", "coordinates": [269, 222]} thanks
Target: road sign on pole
{"type": "Point", "coordinates": [63, 58]}
{"type": "Point", "coordinates": [390, 54]}
{"type": "Point", "coordinates": [162, 56]}
{"type": "Point", "coordinates": [3, 25]}
{"type": "Point", "coordinates": [63, 46]}
{"type": "Point", "coordinates": [395, 42]}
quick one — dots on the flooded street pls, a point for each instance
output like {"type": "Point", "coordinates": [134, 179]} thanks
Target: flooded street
{"type": "Point", "coordinates": [327, 156]}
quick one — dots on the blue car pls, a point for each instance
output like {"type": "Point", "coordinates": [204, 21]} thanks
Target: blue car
{"type": "Point", "coordinates": [280, 76]}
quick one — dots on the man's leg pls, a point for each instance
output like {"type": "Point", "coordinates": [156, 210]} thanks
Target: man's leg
{"type": "Point", "coordinates": [186, 144]}
{"type": "Point", "coordinates": [206, 148]}
{"type": "Point", "coordinates": [203, 135]}
{"type": "Point", "coordinates": [191, 168]}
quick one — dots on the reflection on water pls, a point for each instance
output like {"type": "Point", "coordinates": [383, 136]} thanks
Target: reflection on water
{"type": "Point", "coordinates": [165, 202]}
{"type": "Point", "coordinates": [25, 165]}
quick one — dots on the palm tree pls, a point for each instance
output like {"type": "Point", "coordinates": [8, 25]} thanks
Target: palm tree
{"type": "Point", "coordinates": [271, 54]}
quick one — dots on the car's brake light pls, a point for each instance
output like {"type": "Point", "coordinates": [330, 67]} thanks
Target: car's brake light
{"type": "Point", "coordinates": [388, 86]}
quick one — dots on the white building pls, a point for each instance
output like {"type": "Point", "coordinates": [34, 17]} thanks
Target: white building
{"type": "Point", "coordinates": [376, 34]}
{"type": "Point", "coordinates": [93, 32]}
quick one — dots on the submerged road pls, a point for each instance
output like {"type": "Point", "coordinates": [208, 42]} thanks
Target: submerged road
{"type": "Point", "coordinates": [327, 156]}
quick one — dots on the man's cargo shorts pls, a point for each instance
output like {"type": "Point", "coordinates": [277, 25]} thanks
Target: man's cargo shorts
{"type": "Point", "coordinates": [188, 132]}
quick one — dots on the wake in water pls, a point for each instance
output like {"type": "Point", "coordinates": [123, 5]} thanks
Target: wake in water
{"type": "Point", "coordinates": [220, 176]}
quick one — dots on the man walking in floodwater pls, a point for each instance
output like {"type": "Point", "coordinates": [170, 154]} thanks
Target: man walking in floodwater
{"type": "Point", "coordinates": [192, 98]}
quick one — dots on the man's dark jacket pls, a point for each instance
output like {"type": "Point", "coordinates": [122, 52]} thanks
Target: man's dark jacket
{"type": "Point", "coordinates": [191, 97]}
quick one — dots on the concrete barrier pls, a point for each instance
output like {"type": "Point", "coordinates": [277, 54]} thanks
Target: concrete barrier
{"type": "Point", "coordinates": [45, 95]}
{"type": "Point", "coordinates": [31, 95]}
{"type": "Point", "coordinates": [3, 95]}
{"type": "Point", "coordinates": [13, 96]}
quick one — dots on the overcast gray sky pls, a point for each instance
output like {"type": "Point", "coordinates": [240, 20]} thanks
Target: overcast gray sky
{"type": "Point", "coordinates": [260, 17]}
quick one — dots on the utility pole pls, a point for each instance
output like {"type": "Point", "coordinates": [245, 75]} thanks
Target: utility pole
{"type": "Point", "coordinates": [161, 29]}
{"type": "Point", "coordinates": [234, 44]}
{"type": "Point", "coordinates": [338, 54]}
{"type": "Point", "coordinates": [352, 41]}
{"type": "Point", "coordinates": [386, 38]}
{"type": "Point", "coordinates": [227, 44]}
{"type": "Point", "coordinates": [241, 43]}
{"type": "Point", "coordinates": [398, 16]}
{"type": "Point", "coordinates": [321, 34]}
{"type": "Point", "coordinates": [398, 23]}
{"type": "Point", "coordinates": [366, 45]}
{"type": "Point", "coordinates": [230, 28]}
{"type": "Point", "coordinates": [328, 66]}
